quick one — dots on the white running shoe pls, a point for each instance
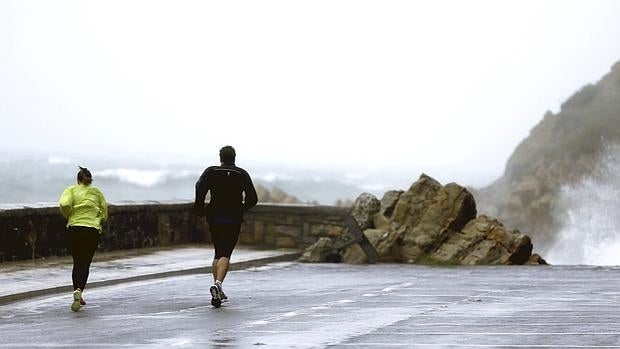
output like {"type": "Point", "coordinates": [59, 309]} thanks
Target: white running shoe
{"type": "Point", "coordinates": [216, 299]}
{"type": "Point", "coordinates": [223, 296]}
{"type": "Point", "coordinates": [77, 298]}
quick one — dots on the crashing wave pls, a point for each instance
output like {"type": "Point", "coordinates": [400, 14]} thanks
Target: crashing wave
{"type": "Point", "coordinates": [589, 217]}
{"type": "Point", "coordinates": [143, 178]}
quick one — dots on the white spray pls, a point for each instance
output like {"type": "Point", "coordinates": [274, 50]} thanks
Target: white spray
{"type": "Point", "coordinates": [589, 217]}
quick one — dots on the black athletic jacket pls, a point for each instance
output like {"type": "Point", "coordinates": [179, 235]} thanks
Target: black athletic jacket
{"type": "Point", "coordinates": [227, 183]}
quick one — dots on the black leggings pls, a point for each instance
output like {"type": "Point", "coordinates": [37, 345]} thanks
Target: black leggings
{"type": "Point", "coordinates": [82, 245]}
{"type": "Point", "coordinates": [224, 238]}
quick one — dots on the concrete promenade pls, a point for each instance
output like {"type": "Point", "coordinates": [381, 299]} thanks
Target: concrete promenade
{"type": "Point", "coordinates": [27, 279]}
{"type": "Point", "coordinates": [293, 305]}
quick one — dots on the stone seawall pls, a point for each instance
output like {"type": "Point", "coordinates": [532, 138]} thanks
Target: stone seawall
{"type": "Point", "coordinates": [297, 226]}
{"type": "Point", "coordinates": [28, 232]}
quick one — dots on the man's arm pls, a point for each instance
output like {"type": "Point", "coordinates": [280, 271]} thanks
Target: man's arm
{"type": "Point", "coordinates": [201, 194]}
{"type": "Point", "coordinates": [251, 199]}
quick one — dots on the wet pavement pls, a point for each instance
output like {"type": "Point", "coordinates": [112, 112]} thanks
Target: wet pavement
{"type": "Point", "coordinates": [22, 280]}
{"type": "Point", "coordinates": [292, 305]}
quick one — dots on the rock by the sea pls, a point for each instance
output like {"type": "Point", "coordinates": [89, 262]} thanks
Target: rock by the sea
{"type": "Point", "coordinates": [429, 223]}
{"type": "Point", "coordinates": [318, 252]}
{"type": "Point", "coordinates": [364, 210]}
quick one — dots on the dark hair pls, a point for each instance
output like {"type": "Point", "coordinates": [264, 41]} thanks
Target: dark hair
{"type": "Point", "coordinates": [227, 155]}
{"type": "Point", "coordinates": [84, 176]}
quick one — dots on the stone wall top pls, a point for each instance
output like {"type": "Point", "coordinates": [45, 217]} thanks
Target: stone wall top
{"type": "Point", "coordinates": [51, 208]}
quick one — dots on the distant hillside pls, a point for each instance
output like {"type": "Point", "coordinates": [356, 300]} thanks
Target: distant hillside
{"type": "Point", "coordinates": [563, 149]}
{"type": "Point", "coordinates": [275, 195]}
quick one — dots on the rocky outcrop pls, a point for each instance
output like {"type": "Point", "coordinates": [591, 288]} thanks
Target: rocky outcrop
{"type": "Point", "coordinates": [561, 151]}
{"type": "Point", "coordinates": [429, 224]}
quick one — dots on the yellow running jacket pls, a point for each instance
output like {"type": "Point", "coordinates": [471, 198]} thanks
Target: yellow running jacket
{"type": "Point", "coordinates": [84, 206]}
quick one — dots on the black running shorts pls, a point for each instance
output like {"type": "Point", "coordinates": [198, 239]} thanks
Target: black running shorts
{"type": "Point", "coordinates": [224, 238]}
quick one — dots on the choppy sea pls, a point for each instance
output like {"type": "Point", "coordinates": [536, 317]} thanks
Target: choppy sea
{"type": "Point", "coordinates": [42, 179]}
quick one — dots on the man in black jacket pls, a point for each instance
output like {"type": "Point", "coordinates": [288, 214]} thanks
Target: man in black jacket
{"type": "Point", "coordinates": [232, 193]}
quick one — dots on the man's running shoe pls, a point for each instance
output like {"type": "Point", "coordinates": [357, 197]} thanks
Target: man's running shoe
{"type": "Point", "coordinates": [216, 299]}
{"type": "Point", "coordinates": [77, 299]}
{"type": "Point", "coordinates": [223, 296]}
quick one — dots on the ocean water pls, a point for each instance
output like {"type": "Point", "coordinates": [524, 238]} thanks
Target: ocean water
{"type": "Point", "coordinates": [43, 178]}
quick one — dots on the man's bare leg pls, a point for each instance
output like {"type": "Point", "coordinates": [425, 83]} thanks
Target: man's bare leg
{"type": "Point", "coordinates": [214, 270]}
{"type": "Point", "coordinates": [221, 268]}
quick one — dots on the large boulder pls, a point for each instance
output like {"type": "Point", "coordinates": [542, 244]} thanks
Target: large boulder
{"type": "Point", "coordinates": [445, 213]}
{"type": "Point", "coordinates": [354, 253]}
{"type": "Point", "coordinates": [484, 241]}
{"type": "Point", "coordinates": [320, 251]}
{"type": "Point", "coordinates": [386, 243]}
{"type": "Point", "coordinates": [364, 209]}
{"type": "Point", "coordinates": [383, 218]}
{"type": "Point", "coordinates": [414, 202]}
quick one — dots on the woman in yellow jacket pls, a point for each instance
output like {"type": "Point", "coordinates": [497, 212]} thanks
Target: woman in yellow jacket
{"type": "Point", "coordinates": [85, 209]}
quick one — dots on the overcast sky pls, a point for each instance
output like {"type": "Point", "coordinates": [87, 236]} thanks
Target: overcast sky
{"type": "Point", "coordinates": [446, 87]}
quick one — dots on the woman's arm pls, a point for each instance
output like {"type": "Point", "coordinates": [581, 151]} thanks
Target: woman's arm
{"type": "Point", "coordinates": [66, 202]}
